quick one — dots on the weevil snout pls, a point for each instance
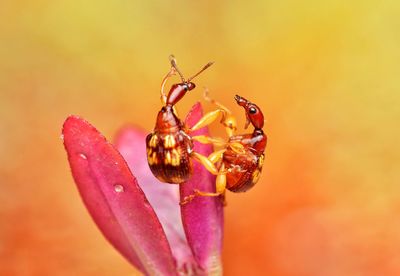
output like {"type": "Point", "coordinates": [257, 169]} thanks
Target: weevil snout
{"type": "Point", "coordinates": [240, 100]}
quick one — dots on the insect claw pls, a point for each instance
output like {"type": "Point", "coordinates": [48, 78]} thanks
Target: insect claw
{"type": "Point", "coordinates": [187, 199]}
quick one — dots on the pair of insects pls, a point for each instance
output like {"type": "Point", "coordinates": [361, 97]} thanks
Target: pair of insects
{"type": "Point", "coordinates": [170, 146]}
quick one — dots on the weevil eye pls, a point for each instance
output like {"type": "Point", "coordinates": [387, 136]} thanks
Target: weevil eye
{"type": "Point", "coordinates": [190, 86]}
{"type": "Point", "coordinates": [252, 110]}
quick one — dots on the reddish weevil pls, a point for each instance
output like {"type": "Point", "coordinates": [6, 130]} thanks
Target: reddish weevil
{"type": "Point", "coordinates": [240, 161]}
{"type": "Point", "coordinates": [169, 147]}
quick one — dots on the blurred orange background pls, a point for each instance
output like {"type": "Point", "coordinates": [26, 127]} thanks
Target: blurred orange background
{"type": "Point", "coordinates": [325, 73]}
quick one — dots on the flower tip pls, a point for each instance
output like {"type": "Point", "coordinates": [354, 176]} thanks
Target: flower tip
{"type": "Point", "coordinates": [75, 128]}
{"type": "Point", "coordinates": [71, 122]}
{"type": "Point", "coordinates": [71, 118]}
{"type": "Point", "coordinates": [191, 117]}
{"type": "Point", "coordinates": [114, 199]}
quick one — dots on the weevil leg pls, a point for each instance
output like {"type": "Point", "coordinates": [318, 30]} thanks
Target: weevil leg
{"type": "Point", "coordinates": [209, 140]}
{"type": "Point", "coordinates": [230, 125]}
{"type": "Point", "coordinates": [207, 163]}
{"type": "Point", "coordinates": [216, 156]}
{"type": "Point", "coordinates": [164, 81]}
{"type": "Point", "coordinates": [237, 147]}
{"type": "Point", "coordinates": [211, 100]}
{"type": "Point", "coordinates": [187, 199]}
{"type": "Point", "coordinates": [228, 120]}
{"type": "Point", "coordinates": [209, 118]}
{"type": "Point", "coordinates": [220, 184]}
{"type": "Point", "coordinates": [171, 72]}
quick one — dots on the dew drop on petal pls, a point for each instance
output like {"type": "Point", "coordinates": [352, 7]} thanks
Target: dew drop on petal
{"type": "Point", "coordinates": [83, 156]}
{"type": "Point", "coordinates": [62, 137]}
{"type": "Point", "coordinates": [118, 188]}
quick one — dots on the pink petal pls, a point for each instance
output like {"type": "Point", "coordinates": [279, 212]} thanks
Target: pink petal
{"type": "Point", "coordinates": [203, 217]}
{"type": "Point", "coordinates": [164, 198]}
{"type": "Point", "coordinates": [114, 199]}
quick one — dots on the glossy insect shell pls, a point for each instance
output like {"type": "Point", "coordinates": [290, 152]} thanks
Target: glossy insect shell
{"type": "Point", "coordinates": [244, 169]}
{"type": "Point", "coordinates": [169, 148]}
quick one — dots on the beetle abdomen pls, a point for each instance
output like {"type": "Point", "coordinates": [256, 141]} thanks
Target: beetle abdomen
{"type": "Point", "coordinates": [168, 156]}
{"type": "Point", "coordinates": [244, 170]}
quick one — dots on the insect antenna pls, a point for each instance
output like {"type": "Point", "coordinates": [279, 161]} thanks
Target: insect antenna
{"type": "Point", "coordinates": [201, 71]}
{"type": "Point", "coordinates": [175, 66]}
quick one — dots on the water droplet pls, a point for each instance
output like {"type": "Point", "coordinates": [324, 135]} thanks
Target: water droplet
{"type": "Point", "coordinates": [62, 137]}
{"type": "Point", "coordinates": [118, 188]}
{"type": "Point", "coordinates": [83, 156]}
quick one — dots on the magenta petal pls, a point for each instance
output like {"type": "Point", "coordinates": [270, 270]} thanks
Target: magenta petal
{"type": "Point", "coordinates": [203, 217]}
{"type": "Point", "coordinates": [164, 198]}
{"type": "Point", "coordinates": [114, 199]}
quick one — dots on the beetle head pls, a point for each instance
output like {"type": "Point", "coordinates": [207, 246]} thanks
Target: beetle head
{"type": "Point", "coordinates": [253, 112]}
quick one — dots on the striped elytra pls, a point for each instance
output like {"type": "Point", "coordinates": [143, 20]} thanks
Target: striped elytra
{"type": "Point", "coordinates": [168, 148]}
{"type": "Point", "coordinates": [168, 155]}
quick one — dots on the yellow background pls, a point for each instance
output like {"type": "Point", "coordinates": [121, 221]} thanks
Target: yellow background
{"type": "Point", "coordinates": [325, 73]}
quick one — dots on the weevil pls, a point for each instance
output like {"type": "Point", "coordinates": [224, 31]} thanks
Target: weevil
{"type": "Point", "coordinates": [240, 162]}
{"type": "Point", "coordinates": [170, 147]}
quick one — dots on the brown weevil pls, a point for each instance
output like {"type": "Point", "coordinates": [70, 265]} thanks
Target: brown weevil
{"type": "Point", "coordinates": [169, 147]}
{"type": "Point", "coordinates": [240, 161]}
